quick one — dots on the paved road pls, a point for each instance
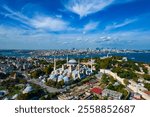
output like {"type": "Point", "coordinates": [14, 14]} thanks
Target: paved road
{"type": "Point", "coordinates": [99, 75]}
{"type": "Point", "coordinates": [49, 89]}
{"type": "Point", "coordinates": [38, 82]}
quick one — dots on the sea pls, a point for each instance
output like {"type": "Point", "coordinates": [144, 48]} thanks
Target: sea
{"type": "Point", "coordinates": [138, 57]}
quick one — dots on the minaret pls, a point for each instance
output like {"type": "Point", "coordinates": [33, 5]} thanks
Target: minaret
{"type": "Point", "coordinates": [15, 75]}
{"type": "Point", "coordinates": [54, 66]}
{"type": "Point", "coordinates": [70, 69]}
{"type": "Point", "coordinates": [107, 55]}
{"type": "Point", "coordinates": [137, 88]}
{"type": "Point", "coordinates": [62, 67]}
{"type": "Point", "coordinates": [78, 65]}
{"type": "Point", "coordinates": [91, 65]}
{"type": "Point", "coordinates": [78, 69]}
{"type": "Point", "coordinates": [67, 60]}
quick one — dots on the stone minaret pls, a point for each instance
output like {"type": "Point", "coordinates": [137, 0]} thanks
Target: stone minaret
{"type": "Point", "coordinates": [78, 65]}
{"type": "Point", "coordinates": [78, 69]}
{"type": "Point", "coordinates": [63, 68]}
{"type": "Point", "coordinates": [67, 60]}
{"type": "Point", "coordinates": [70, 69]}
{"type": "Point", "coordinates": [15, 75]}
{"type": "Point", "coordinates": [54, 66]}
{"type": "Point", "coordinates": [91, 65]}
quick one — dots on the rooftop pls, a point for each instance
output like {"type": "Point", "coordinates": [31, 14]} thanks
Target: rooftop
{"type": "Point", "coordinates": [97, 90]}
{"type": "Point", "coordinates": [72, 61]}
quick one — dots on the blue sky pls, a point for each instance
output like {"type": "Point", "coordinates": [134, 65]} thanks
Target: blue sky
{"type": "Point", "coordinates": [66, 24]}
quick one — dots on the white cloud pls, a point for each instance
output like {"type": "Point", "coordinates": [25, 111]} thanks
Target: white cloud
{"type": "Point", "coordinates": [53, 24]}
{"type": "Point", "coordinates": [118, 25]}
{"type": "Point", "coordinates": [15, 15]}
{"type": "Point", "coordinates": [17, 38]}
{"type": "Point", "coordinates": [86, 7]}
{"type": "Point", "coordinates": [105, 38]}
{"type": "Point", "coordinates": [91, 26]}
{"type": "Point", "coordinates": [38, 22]}
{"type": "Point", "coordinates": [59, 16]}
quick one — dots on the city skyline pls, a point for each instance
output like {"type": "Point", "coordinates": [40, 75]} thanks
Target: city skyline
{"type": "Point", "coordinates": [64, 24]}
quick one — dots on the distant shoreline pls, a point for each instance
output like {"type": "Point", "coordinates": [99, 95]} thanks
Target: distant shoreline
{"type": "Point", "coordinates": [136, 56]}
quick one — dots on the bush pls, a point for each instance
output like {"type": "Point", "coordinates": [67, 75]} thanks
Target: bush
{"type": "Point", "coordinates": [104, 79]}
{"type": "Point", "coordinates": [126, 82]}
{"type": "Point", "coordinates": [50, 96]}
{"type": "Point", "coordinates": [51, 83]}
{"type": "Point", "coordinates": [37, 73]}
{"type": "Point", "coordinates": [48, 70]}
{"type": "Point", "coordinates": [3, 76]}
{"type": "Point", "coordinates": [35, 94]}
{"type": "Point", "coordinates": [146, 77]}
{"type": "Point", "coordinates": [147, 85]}
{"type": "Point", "coordinates": [124, 73]}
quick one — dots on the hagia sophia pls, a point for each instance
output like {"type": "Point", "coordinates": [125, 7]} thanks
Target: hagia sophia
{"type": "Point", "coordinates": [71, 70]}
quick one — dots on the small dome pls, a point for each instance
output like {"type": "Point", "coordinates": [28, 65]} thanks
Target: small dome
{"type": "Point", "coordinates": [72, 61]}
{"type": "Point", "coordinates": [60, 78]}
{"type": "Point", "coordinates": [66, 79]}
{"type": "Point", "coordinates": [27, 89]}
{"type": "Point", "coordinates": [52, 76]}
{"type": "Point", "coordinates": [75, 72]}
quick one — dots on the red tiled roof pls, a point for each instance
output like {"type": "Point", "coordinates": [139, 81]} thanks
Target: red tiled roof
{"type": "Point", "coordinates": [137, 98]}
{"type": "Point", "coordinates": [147, 92]}
{"type": "Point", "coordinates": [96, 90]}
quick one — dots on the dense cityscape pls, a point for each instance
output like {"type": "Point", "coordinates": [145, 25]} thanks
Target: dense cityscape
{"type": "Point", "coordinates": [66, 78]}
{"type": "Point", "coordinates": [73, 51]}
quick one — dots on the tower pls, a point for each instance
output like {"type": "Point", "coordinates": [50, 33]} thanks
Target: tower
{"type": "Point", "coordinates": [70, 69]}
{"type": "Point", "coordinates": [15, 75]}
{"type": "Point", "coordinates": [91, 65]}
{"type": "Point", "coordinates": [137, 88]}
{"type": "Point", "coordinates": [62, 67]}
{"type": "Point", "coordinates": [78, 65]}
{"type": "Point", "coordinates": [107, 55]}
{"type": "Point", "coordinates": [54, 66]}
{"type": "Point", "coordinates": [67, 60]}
{"type": "Point", "coordinates": [78, 69]}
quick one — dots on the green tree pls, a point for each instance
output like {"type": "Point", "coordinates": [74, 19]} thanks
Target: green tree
{"type": "Point", "coordinates": [44, 62]}
{"type": "Point", "coordinates": [112, 80]}
{"type": "Point", "coordinates": [60, 84]}
{"type": "Point", "coordinates": [47, 70]}
{"type": "Point", "coordinates": [146, 77]}
{"type": "Point", "coordinates": [37, 73]}
{"type": "Point", "coordinates": [126, 82]}
{"type": "Point", "coordinates": [147, 85]}
{"type": "Point", "coordinates": [51, 83]}
{"type": "Point", "coordinates": [95, 97]}
{"type": "Point", "coordinates": [104, 79]}
{"type": "Point", "coordinates": [111, 87]}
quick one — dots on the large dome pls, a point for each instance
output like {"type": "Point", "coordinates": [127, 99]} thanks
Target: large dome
{"type": "Point", "coordinates": [72, 61]}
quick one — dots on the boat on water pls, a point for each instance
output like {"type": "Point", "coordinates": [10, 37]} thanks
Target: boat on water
{"type": "Point", "coordinates": [133, 58]}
